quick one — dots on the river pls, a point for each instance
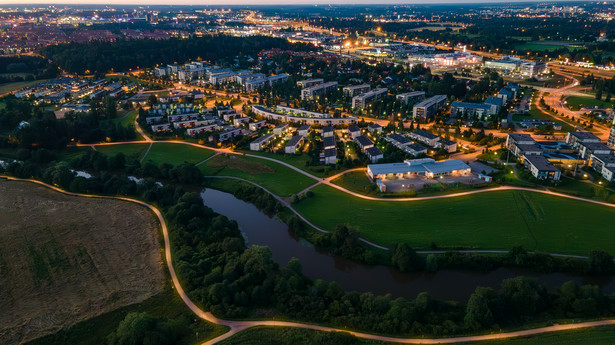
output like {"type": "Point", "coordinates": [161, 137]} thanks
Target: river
{"type": "Point", "coordinates": [458, 285]}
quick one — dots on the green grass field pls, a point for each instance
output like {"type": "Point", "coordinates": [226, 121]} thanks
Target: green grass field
{"type": "Point", "coordinates": [356, 181]}
{"type": "Point", "coordinates": [9, 87]}
{"type": "Point", "coordinates": [131, 151]}
{"type": "Point", "coordinates": [166, 304]}
{"type": "Point", "coordinates": [298, 161]}
{"type": "Point", "coordinates": [275, 177]}
{"type": "Point", "coordinates": [493, 220]}
{"type": "Point", "coordinates": [577, 102]}
{"type": "Point", "coordinates": [176, 153]}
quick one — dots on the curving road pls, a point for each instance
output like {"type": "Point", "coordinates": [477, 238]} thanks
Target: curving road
{"type": "Point", "coordinates": [238, 326]}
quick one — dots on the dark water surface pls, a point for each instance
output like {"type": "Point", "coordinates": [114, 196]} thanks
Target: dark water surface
{"type": "Point", "coordinates": [260, 229]}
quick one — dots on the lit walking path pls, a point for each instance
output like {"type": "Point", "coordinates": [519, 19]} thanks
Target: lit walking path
{"type": "Point", "coordinates": [238, 326]}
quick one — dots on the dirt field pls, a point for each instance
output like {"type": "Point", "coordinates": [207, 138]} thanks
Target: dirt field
{"type": "Point", "coordinates": [64, 259]}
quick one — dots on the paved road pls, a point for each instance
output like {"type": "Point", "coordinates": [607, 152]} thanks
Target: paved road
{"type": "Point", "coordinates": [238, 326]}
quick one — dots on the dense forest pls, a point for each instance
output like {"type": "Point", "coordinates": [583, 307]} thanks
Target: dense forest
{"type": "Point", "coordinates": [122, 55]}
{"type": "Point", "coordinates": [20, 68]}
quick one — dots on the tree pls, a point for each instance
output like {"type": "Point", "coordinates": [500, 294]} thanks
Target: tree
{"type": "Point", "coordinates": [405, 258]}
{"type": "Point", "coordinates": [478, 311]}
{"type": "Point", "coordinates": [601, 263]}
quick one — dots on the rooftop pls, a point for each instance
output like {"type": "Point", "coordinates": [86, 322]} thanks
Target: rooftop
{"type": "Point", "coordinates": [424, 134]}
{"type": "Point", "coordinates": [363, 140]}
{"type": "Point", "coordinates": [541, 163]}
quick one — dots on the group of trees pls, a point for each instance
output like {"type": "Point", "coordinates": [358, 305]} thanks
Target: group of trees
{"type": "Point", "coordinates": [46, 131]}
{"type": "Point", "coordinates": [22, 67]}
{"type": "Point", "coordinates": [123, 55]}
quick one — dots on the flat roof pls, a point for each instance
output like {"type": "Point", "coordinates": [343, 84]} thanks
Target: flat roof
{"type": "Point", "coordinates": [354, 128]}
{"type": "Point", "coordinates": [262, 139]}
{"type": "Point", "coordinates": [330, 152]}
{"type": "Point", "coordinates": [520, 137]}
{"type": "Point", "coordinates": [294, 140]}
{"type": "Point", "coordinates": [604, 158]}
{"type": "Point", "coordinates": [596, 146]}
{"type": "Point", "coordinates": [399, 138]}
{"type": "Point", "coordinates": [363, 140]}
{"type": "Point", "coordinates": [304, 127]}
{"type": "Point", "coordinates": [373, 151]}
{"type": "Point", "coordinates": [328, 141]}
{"type": "Point", "coordinates": [424, 134]}
{"type": "Point", "coordinates": [541, 163]}
{"type": "Point", "coordinates": [418, 166]}
{"type": "Point", "coordinates": [584, 135]}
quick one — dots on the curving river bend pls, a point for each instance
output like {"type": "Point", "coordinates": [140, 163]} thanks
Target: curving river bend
{"type": "Point", "coordinates": [458, 285]}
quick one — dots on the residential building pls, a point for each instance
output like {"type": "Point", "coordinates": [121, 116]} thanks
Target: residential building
{"type": "Point", "coordinates": [397, 140]}
{"type": "Point", "coordinates": [162, 127]}
{"type": "Point", "coordinates": [598, 162]}
{"type": "Point", "coordinates": [418, 167]}
{"type": "Point", "coordinates": [302, 112]}
{"type": "Point", "coordinates": [374, 128]}
{"type": "Point", "coordinates": [575, 138]}
{"type": "Point", "coordinates": [304, 130]}
{"type": "Point", "coordinates": [239, 121]}
{"type": "Point", "coordinates": [261, 142]}
{"type": "Point", "coordinates": [586, 149]}
{"type": "Point", "coordinates": [429, 107]}
{"type": "Point", "coordinates": [202, 129]}
{"type": "Point", "coordinates": [449, 145]}
{"type": "Point", "coordinates": [317, 90]}
{"type": "Point", "coordinates": [281, 128]}
{"type": "Point", "coordinates": [374, 154]}
{"type": "Point", "coordinates": [293, 144]}
{"type": "Point", "coordinates": [541, 168]}
{"type": "Point", "coordinates": [471, 110]}
{"type": "Point", "coordinates": [328, 142]}
{"type": "Point", "coordinates": [328, 132]}
{"type": "Point", "coordinates": [362, 100]}
{"type": "Point", "coordinates": [411, 97]}
{"type": "Point", "coordinates": [330, 156]}
{"type": "Point", "coordinates": [414, 149]}
{"type": "Point", "coordinates": [496, 104]}
{"type": "Point", "coordinates": [291, 118]}
{"type": "Point", "coordinates": [363, 142]}
{"type": "Point", "coordinates": [611, 141]}
{"type": "Point", "coordinates": [255, 126]}
{"type": "Point", "coordinates": [229, 134]}
{"type": "Point", "coordinates": [425, 137]}
{"type": "Point", "coordinates": [354, 131]}
{"type": "Point", "coordinates": [353, 90]}
{"type": "Point", "coordinates": [310, 82]}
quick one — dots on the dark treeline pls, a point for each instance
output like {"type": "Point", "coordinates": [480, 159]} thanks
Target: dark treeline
{"type": "Point", "coordinates": [122, 55]}
{"type": "Point", "coordinates": [225, 277]}
{"type": "Point", "coordinates": [20, 68]}
{"type": "Point", "coordinates": [44, 130]}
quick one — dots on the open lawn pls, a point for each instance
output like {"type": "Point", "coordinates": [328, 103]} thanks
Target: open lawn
{"type": "Point", "coordinates": [9, 87]}
{"type": "Point", "coordinates": [356, 181]}
{"type": "Point", "coordinates": [277, 178]}
{"type": "Point", "coordinates": [175, 154]}
{"type": "Point", "coordinates": [537, 114]}
{"type": "Point", "coordinates": [299, 161]}
{"type": "Point", "coordinates": [492, 220]}
{"type": "Point", "coordinates": [577, 102]}
{"type": "Point", "coordinates": [131, 151]}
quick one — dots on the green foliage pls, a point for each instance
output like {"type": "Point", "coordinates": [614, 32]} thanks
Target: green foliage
{"type": "Point", "coordinates": [143, 329]}
{"type": "Point", "coordinates": [122, 55]}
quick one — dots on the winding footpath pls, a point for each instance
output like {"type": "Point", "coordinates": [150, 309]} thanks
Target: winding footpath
{"type": "Point", "coordinates": [238, 326]}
